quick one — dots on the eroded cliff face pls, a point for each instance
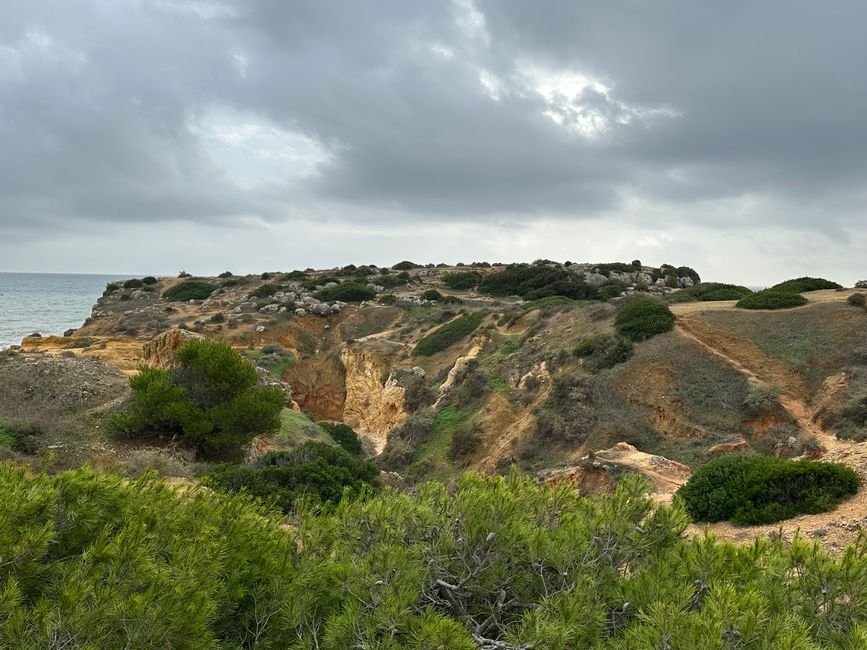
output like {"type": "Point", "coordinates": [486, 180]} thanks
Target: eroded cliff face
{"type": "Point", "coordinates": [319, 386]}
{"type": "Point", "coordinates": [374, 399]}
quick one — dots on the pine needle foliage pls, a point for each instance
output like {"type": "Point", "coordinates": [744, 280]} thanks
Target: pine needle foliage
{"type": "Point", "coordinates": [93, 561]}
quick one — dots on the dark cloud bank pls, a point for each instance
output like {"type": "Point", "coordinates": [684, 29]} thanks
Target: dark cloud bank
{"type": "Point", "coordinates": [154, 134]}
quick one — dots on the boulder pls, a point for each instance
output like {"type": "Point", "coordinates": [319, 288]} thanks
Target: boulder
{"type": "Point", "coordinates": [320, 309]}
{"type": "Point", "coordinates": [159, 352]}
{"type": "Point", "coordinates": [300, 312]}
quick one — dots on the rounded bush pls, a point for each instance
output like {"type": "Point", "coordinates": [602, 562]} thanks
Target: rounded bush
{"type": "Point", "coordinates": [771, 299]}
{"type": "Point", "coordinates": [346, 292]}
{"type": "Point", "coordinates": [189, 290]}
{"type": "Point", "coordinates": [462, 280]}
{"type": "Point", "coordinates": [643, 319]}
{"type": "Point", "coordinates": [762, 490]}
{"type": "Point", "coordinates": [432, 294]}
{"type": "Point", "coordinates": [149, 280]}
{"type": "Point", "coordinates": [133, 284]}
{"type": "Point", "coordinates": [406, 265]}
{"type": "Point", "coordinates": [799, 285]}
{"type": "Point", "coordinates": [857, 299]}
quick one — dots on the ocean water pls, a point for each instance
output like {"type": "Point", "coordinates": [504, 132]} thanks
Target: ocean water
{"type": "Point", "coordinates": [48, 303]}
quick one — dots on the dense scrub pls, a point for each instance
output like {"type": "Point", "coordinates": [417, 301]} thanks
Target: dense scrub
{"type": "Point", "coordinates": [460, 280]}
{"type": "Point", "coordinates": [643, 319]}
{"type": "Point", "coordinates": [534, 281]}
{"type": "Point", "coordinates": [189, 290]}
{"type": "Point", "coordinates": [761, 489]}
{"type": "Point", "coordinates": [344, 436]}
{"type": "Point", "coordinates": [212, 400]}
{"type": "Point", "coordinates": [709, 292]}
{"type": "Point", "coordinates": [771, 299]}
{"type": "Point", "coordinates": [315, 471]}
{"type": "Point", "coordinates": [449, 334]}
{"type": "Point", "coordinates": [346, 292]}
{"type": "Point", "coordinates": [103, 563]}
{"type": "Point", "coordinates": [799, 285]}
{"type": "Point", "coordinates": [603, 351]}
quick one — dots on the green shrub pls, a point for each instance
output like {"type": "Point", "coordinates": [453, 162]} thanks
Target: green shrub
{"type": "Point", "coordinates": [432, 294]}
{"type": "Point", "coordinates": [771, 299]}
{"type": "Point", "coordinates": [346, 292]}
{"type": "Point", "coordinates": [7, 438]}
{"type": "Point", "coordinates": [406, 265]}
{"type": "Point", "coordinates": [264, 291]}
{"type": "Point", "coordinates": [611, 289]}
{"type": "Point", "coordinates": [390, 281]}
{"type": "Point", "coordinates": [211, 400]}
{"type": "Point", "coordinates": [761, 489]}
{"type": "Point", "coordinates": [225, 274]}
{"type": "Point", "coordinates": [344, 436]}
{"type": "Point", "coordinates": [189, 290]}
{"type": "Point", "coordinates": [448, 334]}
{"type": "Point", "coordinates": [857, 299]}
{"type": "Point", "coordinates": [462, 280]}
{"type": "Point", "coordinates": [800, 285]}
{"type": "Point", "coordinates": [709, 292]}
{"type": "Point", "coordinates": [531, 282]}
{"type": "Point", "coordinates": [133, 284]}
{"type": "Point", "coordinates": [388, 299]}
{"type": "Point", "coordinates": [491, 562]}
{"type": "Point", "coordinates": [315, 470]}
{"type": "Point", "coordinates": [643, 319]}
{"type": "Point", "coordinates": [569, 413]}
{"type": "Point", "coordinates": [149, 280]}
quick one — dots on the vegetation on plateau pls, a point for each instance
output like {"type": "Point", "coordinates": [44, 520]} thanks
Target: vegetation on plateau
{"type": "Point", "coordinates": [97, 561]}
{"type": "Point", "coordinates": [346, 292]}
{"type": "Point", "coordinates": [644, 318]}
{"type": "Point", "coordinates": [771, 299]}
{"type": "Point", "coordinates": [533, 281]}
{"type": "Point", "coordinates": [448, 334]}
{"type": "Point", "coordinates": [762, 489]}
{"type": "Point", "coordinates": [800, 285]}
{"type": "Point", "coordinates": [189, 290]}
{"type": "Point", "coordinates": [709, 292]}
{"type": "Point", "coordinates": [212, 400]}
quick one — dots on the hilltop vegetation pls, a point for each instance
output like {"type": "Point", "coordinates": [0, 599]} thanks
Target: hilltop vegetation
{"type": "Point", "coordinates": [105, 563]}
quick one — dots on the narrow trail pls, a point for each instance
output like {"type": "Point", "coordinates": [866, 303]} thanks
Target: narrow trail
{"type": "Point", "coordinates": [760, 369]}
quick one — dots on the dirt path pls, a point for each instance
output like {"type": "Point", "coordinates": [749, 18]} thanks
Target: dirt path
{"type": "Point", "coordinates": [833, 529]}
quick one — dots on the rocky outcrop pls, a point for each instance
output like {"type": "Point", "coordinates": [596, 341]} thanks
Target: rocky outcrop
{"type": "Point", "coordinates": [159, 352]}
{"type": "Point", "coordinates": [460, 368]}
{"type": "Point", "coordinates": [374, 397]}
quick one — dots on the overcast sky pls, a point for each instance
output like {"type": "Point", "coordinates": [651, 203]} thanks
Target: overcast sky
{"type": "Point", "coordinates": [150, 136]}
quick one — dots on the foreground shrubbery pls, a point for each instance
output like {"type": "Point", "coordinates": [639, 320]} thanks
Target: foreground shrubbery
{"type": "Point", "coordinates": [771, 299]}
{"type": "Point", "coordinates": [212, 400]}
{"type": "Point", "coordinates": [761, 489]}
{"type": "Point", "coordinates": [315, 471]}
{"type": "Point", "coordinates": [643, 319]}
{"type": "Point", "coordinates": [799, 285]}
{"type": "Point", "coordinates": [92, 561]}
{"type": "Point", "coordinates": [449, 334]}
{"type": "Point", "coordinates": [189, 290]}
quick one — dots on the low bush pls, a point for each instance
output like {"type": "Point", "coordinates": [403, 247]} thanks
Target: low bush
{"type": "Point", "coordinates": [315, 471]}
{"type": "Point", "coordinates": [462, 280]}
{"type": "Point", "coordinates": [346, 292]}
{"type": "Point", "coordinates": [762, 490]}
{"type": "Point", "coordinates": [532, 281]}
{"type": "Point", "coordinates": [225, 274]}
{"type": "Point", "coordinates": [800, 285]}
{"type": "Point", "coordinates": [388, 299]}
{"type": "Point", "coordinates": [771, 299]}
{"type": "Point", "coordinates": [709, 292]}
{"type": "Point", "coordinates": [451, 300]}
{"type": "Point", "coordinates": [343, 435]}
{"type": "Point", "coordinates": [390, 281]}
{"type": "Point", "coordinates": [149, 280]}
{"type": "Point", "coordinates": [611, 289]}
{"type": "Point", "coordinates": [569, 413]}
{"type": "Point", "coordinates": [602, 352]}
{"type": "Point", "coordinates": [432, 294]}
{"type": "Point", "coordinates": [448, 334]}
{"type": "Point", "coordinates": [133, 283]}
{"type": "Point", "coordinates": [857, 300]}
{"type": "Point", "coordinates": [189, 290]}
{"type": "Point", "coordinates": [643, 319]}
{"type": "Point", "coordinates": [406, 265]}
{"type": "Point", "coordinates": [264, 291]}
{"type": "Point", "coordinates": [212, 400]}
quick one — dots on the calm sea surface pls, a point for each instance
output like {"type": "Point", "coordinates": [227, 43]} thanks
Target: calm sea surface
{"type": "Point", "coordinates": [48, 303]}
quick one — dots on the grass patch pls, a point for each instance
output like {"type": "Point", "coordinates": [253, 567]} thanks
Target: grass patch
{"type": "Point", "coordinates": [296, 429]}
{"type": "Point", "coordinates": [448, 334]}
{"type": "Point", "coordinates": [433, 457]}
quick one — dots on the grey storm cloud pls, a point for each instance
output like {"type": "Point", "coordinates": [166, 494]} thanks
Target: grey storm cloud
{"type": "Point", "coordinates": [221, 112]}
